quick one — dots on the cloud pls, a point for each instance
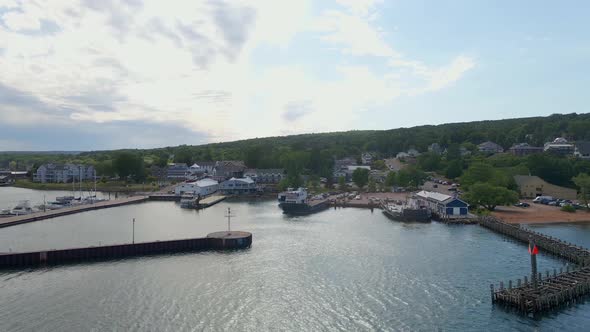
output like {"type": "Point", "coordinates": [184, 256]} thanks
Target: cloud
{"type": "Point", "coordinates": [297, 109]}
{"type": "Point", "coordinates": [193, 67]}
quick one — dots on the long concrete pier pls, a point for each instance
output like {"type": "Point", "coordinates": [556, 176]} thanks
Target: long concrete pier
{"type": "Point", "coordinates": [214, 241]}
{"type": "Point", "coordinates": [16, 220]}
{"type": "Point", "coordinates": [543, 292]}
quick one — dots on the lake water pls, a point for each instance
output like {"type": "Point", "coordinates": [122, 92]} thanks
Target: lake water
{"type": "Point", "coordinates": [346, 269]}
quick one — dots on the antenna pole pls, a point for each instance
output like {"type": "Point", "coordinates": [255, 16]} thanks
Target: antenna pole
{"type": "Point", "coordinates": [228, 219]}
{"type": "Point", "coordinates": [133, 236]}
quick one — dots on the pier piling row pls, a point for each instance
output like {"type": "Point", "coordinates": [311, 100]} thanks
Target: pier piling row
{"type": "Point", "coordinates": [555, 289]}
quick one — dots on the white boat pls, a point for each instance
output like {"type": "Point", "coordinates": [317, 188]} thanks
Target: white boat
{"type": "Point", "coordinates": [5, 213]}
{"type": "Point", "coordinates": [22, 208]}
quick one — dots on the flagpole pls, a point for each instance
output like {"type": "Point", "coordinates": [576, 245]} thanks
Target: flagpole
{"type": "Point", "coordinates": [533, 251]}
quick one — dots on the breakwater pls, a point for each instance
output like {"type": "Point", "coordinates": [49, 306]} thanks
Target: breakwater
{"type": "Point", "coordinates": [214, 241]}
{"type": "Point", "coordinates": [542, 292]}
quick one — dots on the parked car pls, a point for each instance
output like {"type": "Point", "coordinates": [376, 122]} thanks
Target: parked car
{"type": "Point", "coordinates": [522, 204]}
{"type": "Point", "coordinates": [452, 189]}
{"type": "Point", "coordinates": [435, 185]}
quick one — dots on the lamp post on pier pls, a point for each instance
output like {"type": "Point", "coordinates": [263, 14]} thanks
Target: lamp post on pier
{"type": "Point", "coordinates": [133, 233]}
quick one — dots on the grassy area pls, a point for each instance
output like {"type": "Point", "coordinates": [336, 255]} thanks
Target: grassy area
{"type": "Point", "coordinates": [113, 186]}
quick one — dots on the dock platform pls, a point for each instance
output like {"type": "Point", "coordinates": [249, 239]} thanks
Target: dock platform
{"type": "Point", "coordinates": [16, 220]}
{"type": "Point", "coordinates": [210, 200]}
{"type": "Point", "coordinates": [552, 290]}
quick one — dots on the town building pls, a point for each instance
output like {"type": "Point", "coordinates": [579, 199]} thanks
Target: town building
{"type": "Point", "coordinates": [205, 166]}
{"type": "Point", "coordinates": [582, 150]}
{"type": "Point", "coordinates": [559, 146]}
{"type": "Point", "coordinates": [490, 147]}
{"type": "Point", "coordinates": [435, 148]}
{"type": "Point", "coordinates": [177, 172]}
{"type": "Point", "coordinates": [442, 205]}
{"type": "Point", "coordinates": [265, 175]}
{"type": "Point", "coordinates": [378, 176]}
{"type": "Point", "coordinates": [201, 187]}
{"type": "Point", "coordinates": [533, 186]}
{"type": "Point", "coordinates": [229, 168]}
{"type": "Point", "coordinates": [238, 186]}
{"type": "Point", "coordinates": [366, 159]}
{"type": "Point", "coordinates": [413, 153]}
{"type": "Point", "coordinates": [524, 149]}
{"type": "Point", "coordinates": [341, 167]}
{"type": "Point", "coordinates": [62, 173]}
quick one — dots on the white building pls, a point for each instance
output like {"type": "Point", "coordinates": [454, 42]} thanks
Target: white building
{"type": "Point", "coordinates": [56, 173]}
{"type": "Point", "coordinates": [441, 204]}
{"type": "Point", "coordinates": [238, 186]}
{"type": "Point", "coordinates": [202, 187]}
{"type": "Point", "coordinates": [268, 175]}
{"type": "Point", "coordinates": [366, 158]}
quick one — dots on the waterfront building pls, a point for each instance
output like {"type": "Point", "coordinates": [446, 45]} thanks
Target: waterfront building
{"type": "Point", "coordinates": [265, 175]}
{"type": "Point", "coordinates": [62, 173]}
{"type": "Point", "coordinates": [441, 204]}
{"type": "Point", "coordinates": [582, 150]}
{"type": "Point", "coordinates": [205, 166]}
{"type": "Point", "coordinates": [178, 171]}
{"type": "Point", "coordinates": [559, 146]}
{"type": "Point", "coordinates": [524, 149]}
{"type": "Point", "coordinates": [229, 168]}
{"type": "Point", "coordinates": [238, 186]}
{"type": "Point", "coordinates": [201, 187]}
{"type": "Point", "coordinates": [533, 186]}
{"type": "Point", "coordinates": [413, 153]}
{"type": "Point", "coordinates": [490, 147]}
{"type": "Point", "coordinates": [341, 167]}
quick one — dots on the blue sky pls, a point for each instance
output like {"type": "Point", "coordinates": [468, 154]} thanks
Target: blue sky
{"type": "Point", "coordinates": [92, 75]}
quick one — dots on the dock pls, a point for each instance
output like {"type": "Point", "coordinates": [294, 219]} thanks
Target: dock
{"type": "Point", "coordinates": [210, 201]}
{"type": "Point", "coordinates": [17, 220]}
{"type": "Point", "coordinates": [215, 241]}
{"type": "Point", "coordinates": [538, 292]}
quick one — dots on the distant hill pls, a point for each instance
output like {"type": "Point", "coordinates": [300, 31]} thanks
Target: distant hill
{"type": "Point", "coordinates": [277, 151]}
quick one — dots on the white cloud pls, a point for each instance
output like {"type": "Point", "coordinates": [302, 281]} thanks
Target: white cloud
{"type": "Point", "coordinates": [191, 64]}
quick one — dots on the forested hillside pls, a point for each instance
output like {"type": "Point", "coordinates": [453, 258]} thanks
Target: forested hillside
{"type": "Point", "coordinates": [314, 153]}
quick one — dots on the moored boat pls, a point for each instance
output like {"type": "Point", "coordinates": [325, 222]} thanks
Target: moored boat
{"type": "Point", "coordinates": [406, 212]}
{"type": "Point", "coordinates": [296, 202]}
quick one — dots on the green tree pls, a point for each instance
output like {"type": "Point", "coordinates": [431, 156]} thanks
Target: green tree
{"type": "Point", "coordinates": [379, 164]}
{"type": "Point", "coordinates": [372, 185]}
{"type": "Point", "coordinates": [391, 179]}
{"type": "Point", "coordinates": [341, 183]}
{"type": "Point", "coordinates": [489, 196]}
{"type": "Point", "coordinates": [128, 164]}
{"type": "Point", "coordinates": [360, 177]}
{"type": "Point", "coordinates": [429, 161]}
{"type": "Point", "coordinates": [582, 181]}
{"type": "Point", "coordinates": [454, 169]}
{"type": "Point", "coordinates": [410, 177]}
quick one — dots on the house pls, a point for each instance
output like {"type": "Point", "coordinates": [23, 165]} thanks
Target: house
{"type": "Point", "coordinates": [524, 149]}
{"type": "Point", "coordinates": [229, 168]}
{"type": "Point", "coordinates": [435, 148]}
{"type": "Point", "coordinates": [402, 155]}
{"type": "Point", "coordinates": [205, 166]}
{"type": "Point", "coordinates": [533, 186]}
{"type": "Point", "coordinates": [238, 186]}
{"type": "Point", "coordinates": [62, 173]}
{"type": "Point", "coordinates": [268, 175]}
{"type": "Point", "coordinates": [177, 171]}
{"type": "Point", "coordinates": [559, 146]}
{"type": "Point", "coordinates": [378, 176]}
{"type": "Point", "coordinates": [413, 153]}
{"type": "Point", "coordinates": [441, 204]}
{"type": "Point", "coordinates": [366, 159]}
{"type": "Point", "coordinates": [341, 167]}
{"type": "Point", "coordinates": [490, 147]}
{"type": "Point", "coordinates": [582, 150]}
{"type": "Point", "coordinates": [201, 187]}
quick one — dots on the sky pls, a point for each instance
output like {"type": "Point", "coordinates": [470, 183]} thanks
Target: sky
{"type": "Point", "coordinates": [105, 74]}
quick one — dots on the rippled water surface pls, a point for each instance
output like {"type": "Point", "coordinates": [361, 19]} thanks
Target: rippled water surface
{"type": "Point", "coordinates": [345, 269]}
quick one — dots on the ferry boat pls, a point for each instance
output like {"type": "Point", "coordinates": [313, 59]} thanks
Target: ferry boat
{"type": "Point", "coordinates": [295, 202]}
{"type": "Point", "coordinates": [406, 212]}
